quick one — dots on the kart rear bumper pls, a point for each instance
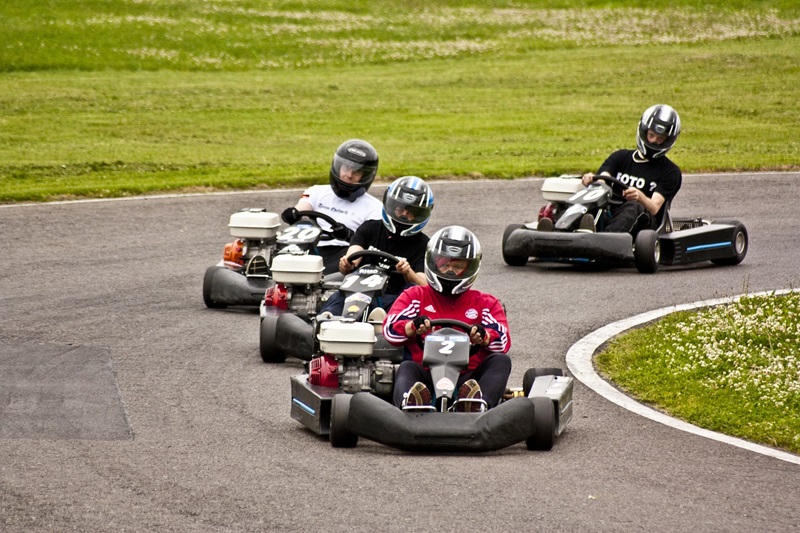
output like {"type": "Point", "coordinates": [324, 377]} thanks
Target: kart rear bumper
{"type": "Point", "coordinates": [554, 246]}
{"type": "Point", "coordinates": [233, 288]}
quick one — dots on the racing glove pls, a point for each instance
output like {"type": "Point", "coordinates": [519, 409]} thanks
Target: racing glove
{"type": "Point", "coordinates": [420, 321]}
{"type": "Point", "coordinates": [290, 215]}
{"type": "Point", "coordinates": [342, 232]}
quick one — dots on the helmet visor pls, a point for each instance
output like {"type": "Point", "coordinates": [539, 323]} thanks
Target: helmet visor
{"type": "Point", "coordinates": [450, 266]}
{"type": "Point", "coordinates": [402, 211]}
{"type": "Point", "coordinates": [352, 172]}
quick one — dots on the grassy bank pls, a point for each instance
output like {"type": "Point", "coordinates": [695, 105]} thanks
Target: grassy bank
{"type": "Point", "coordinates": [733, 368]}
{"type": "Point", "coordinates": [456, 89]}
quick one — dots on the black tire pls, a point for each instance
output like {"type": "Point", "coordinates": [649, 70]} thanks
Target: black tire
{"type": "Point", "coordinates": [741, 242]}
{"type": "Point", "coordinates": [267, 341]}
{"type": "Point", "coordinates": [646, 251]}
{"type": "Point", "coordinates": [208, 283]}
{"type": "Point", "coordinates": [545, 422]}
{"type": "Point", "coordinates": [340, 436]}
{"type": "Point", "coordinates": [532, 373]}
{"type": "Point", "coordinates": [512, 260]}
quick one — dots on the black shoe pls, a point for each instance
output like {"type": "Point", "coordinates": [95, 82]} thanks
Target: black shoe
{"type": "Point", "coordinates": [545, 224]}
{"type": "Point", "coordinates": [587, 224]}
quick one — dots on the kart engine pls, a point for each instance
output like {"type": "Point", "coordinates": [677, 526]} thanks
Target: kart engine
{"type": "Point", "coordinates": [254, 254]}
{"type": "Point", "coordinates": [304, 302]}
{"type": "Point", "coordinates": [353, 375]}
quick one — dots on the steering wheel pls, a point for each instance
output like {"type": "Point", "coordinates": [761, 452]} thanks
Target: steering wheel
{"type": "Point", "coordinates": [446, 323]}
{"type": "Point", "coordinates": [335, 225]}
{"type": "Point", "coordinates": [393, 260]}
{"type": "Point", "coordinates": [617, 187]}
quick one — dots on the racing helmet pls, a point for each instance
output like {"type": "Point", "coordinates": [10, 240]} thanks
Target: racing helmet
{"type": "Point", "coordinates": [452, 260]}
{"type": "Point", "coordinates": [407, 206]}
{"type": "Point", "coordinates": [354, 155]}
{"type": "Point", "coordinates": [663, 120]}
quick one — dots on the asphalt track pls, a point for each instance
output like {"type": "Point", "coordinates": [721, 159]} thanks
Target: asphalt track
{"type": "Point", "coordinates": [126, 405]}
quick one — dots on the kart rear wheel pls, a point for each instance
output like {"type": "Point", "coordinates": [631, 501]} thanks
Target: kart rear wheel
{"type": "Point", "coordinates": [646, 251]}
{"type": "Point", "coordinates": [512, 260]}
{"type": "Point", "coordinates": [545, 423]}
{"type": "Point", "coordinates": [208, 283]}
{"type": "Point", "coordinates": [532, 373]}
{"type": "Point", "coordinates": [340, 436]}
{"type": "Point", "coordinates": [267, 341]}
{"type": "Point", "coordinates": [740, 243]}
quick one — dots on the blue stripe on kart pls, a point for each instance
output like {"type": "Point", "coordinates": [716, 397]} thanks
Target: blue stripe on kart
{"type": "Point", "coordinates": [708, 246]}
{"type": "Point", "coordinates": [303, 406]}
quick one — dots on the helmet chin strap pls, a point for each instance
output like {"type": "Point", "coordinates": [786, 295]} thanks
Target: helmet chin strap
{"type": "Point", "coordinates": [641, 158]}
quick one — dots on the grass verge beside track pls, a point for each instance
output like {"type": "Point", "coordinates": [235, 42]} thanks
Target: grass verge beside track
{"type": "Point", "coordinates": [732, 368]}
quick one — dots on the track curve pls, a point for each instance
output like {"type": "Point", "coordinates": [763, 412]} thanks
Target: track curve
{"type": "Point", "coordinates": [212, 444]}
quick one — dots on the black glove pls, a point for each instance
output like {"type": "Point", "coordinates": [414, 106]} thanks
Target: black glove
{"type": "Point", "coordinates": [420, 321]}
{"type": "Point", "coordinates": [342, 232]}
{"type": "Point", "coordinates": [480, 330]}
{"type": "Point", "coordinates": [290, 215]}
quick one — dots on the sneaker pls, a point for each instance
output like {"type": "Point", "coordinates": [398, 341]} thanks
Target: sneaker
{"type": "Point", "coordinates": [545, 224]}
{"type": "Point", "coordinates": [587, 224]}
{"type": "Point", "coordinates": [418, 397]}
{"type": "Point", "coordinates": [470, 398]}
{"type": "Point", "coordinates": [377, 315]}
{"type": "Point", "coordinates": [327, 315]}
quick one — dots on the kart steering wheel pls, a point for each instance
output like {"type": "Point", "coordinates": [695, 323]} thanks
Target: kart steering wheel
{"type": "Point", "coordinates": [393, 260]}
{"type": "Point", "coordinates": [315, 216]}
{"type": "Point", "coordinates": [617, 186]}
{"type": "Point", "coordinates": [446, 323]}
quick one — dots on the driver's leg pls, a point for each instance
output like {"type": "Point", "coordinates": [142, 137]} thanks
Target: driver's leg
{"type": "Point", "coordinates": [408, 373]}
{"type": "Point", "coordinates": [492, 376]}
{"type": "Point", "coordinates": [625, 218]}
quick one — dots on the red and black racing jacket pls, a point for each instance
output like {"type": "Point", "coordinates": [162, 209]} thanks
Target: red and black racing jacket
{"type": "Point", "coordinates": [472, 307]}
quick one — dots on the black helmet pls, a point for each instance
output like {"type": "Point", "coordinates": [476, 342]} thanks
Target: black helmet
{"type": "Point", "coordinates": [663, 120]}
{"type": "Point", "coordinates": [407, 205]}
{"type": "Point", "coordinates": [356, 156]}
{"type": "Point", "coordinates": [449, 247]}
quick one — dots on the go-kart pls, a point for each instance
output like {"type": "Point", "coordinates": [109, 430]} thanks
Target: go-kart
{"type": "Point", "coordinates": [677, 241]}
{"type": "Point", "coordinates": [291, 305]}
{"type": "Point", "coordinates": [246, 269]}
{"type": "Point", "coordinates": [537, 414]}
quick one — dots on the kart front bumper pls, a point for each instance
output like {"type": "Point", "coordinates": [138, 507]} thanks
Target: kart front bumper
{"type": "Point", "coordinates": [616, 248]}
{"type": "Point", "coordinates": [227, 287]}
{"type": "Point", "coordinates": [507, 424]}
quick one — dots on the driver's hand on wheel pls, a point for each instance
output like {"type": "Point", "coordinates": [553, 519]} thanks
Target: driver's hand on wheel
{"type": "Point", "coordinates": [478, 336]}
{"type": "Point", "coordinates": [632, 194]}
{"type": "Point", "coordinates": [290, 215]}
{"type": "Point", "coordinates": [345, 266]}
{"type": "Point", "coordinates": [419, 326]}
{"type": "Point", "coordinates": [587, 179]}
{"type": "Point", "coordinates": [403, 267]}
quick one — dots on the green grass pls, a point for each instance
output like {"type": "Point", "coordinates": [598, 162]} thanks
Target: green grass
{"type": "Point", "coordinates": [442, 89]}
{"type": "Point", "coordinates": [733, 368]}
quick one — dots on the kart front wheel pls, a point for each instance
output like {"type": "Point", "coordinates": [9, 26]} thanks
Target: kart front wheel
{"type": "Point", "coordinates": [532, 373]}
{"type": "Point", "coordinates": [740, 243]}
{"type": "Point", "coordinates": [340, 436]}
{"type": "Point", "coordinates": [646, 251]}
{"type": "Point", "coordinates": [267, 344]}
{"type": "Point", "coordinates": [208, 283]}
{"type": "Point", "coordinates": [512, 260]}
{"type": "Point", "coordinates": [545, 425]}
